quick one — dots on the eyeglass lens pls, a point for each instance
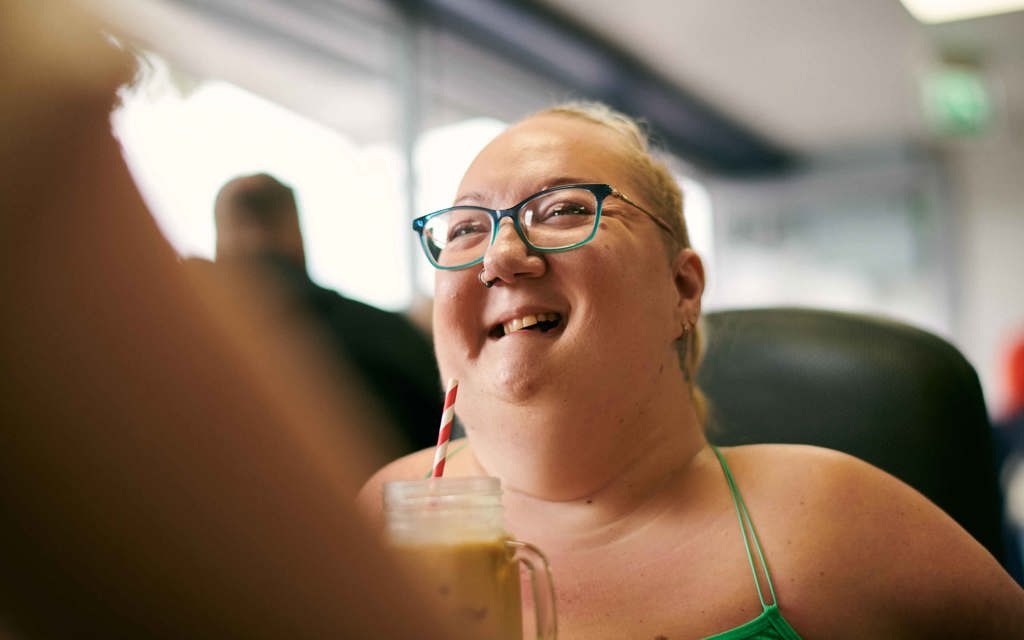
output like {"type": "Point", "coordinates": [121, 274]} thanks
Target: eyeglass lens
{"type": "Point", "coordinates": [550, 221]}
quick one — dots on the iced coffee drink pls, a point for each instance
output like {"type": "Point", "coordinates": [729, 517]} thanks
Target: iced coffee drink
{"type": "Point", "coordinates": [476, 584]}
{"type": "Point", "coordinates": [449, 533]}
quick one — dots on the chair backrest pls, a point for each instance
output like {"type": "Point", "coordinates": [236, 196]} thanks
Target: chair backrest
{"type": "Point", "coordinates": [896, 396]}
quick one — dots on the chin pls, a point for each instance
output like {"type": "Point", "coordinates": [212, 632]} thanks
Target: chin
{"type": "Point", "coordinates": [515, 385]}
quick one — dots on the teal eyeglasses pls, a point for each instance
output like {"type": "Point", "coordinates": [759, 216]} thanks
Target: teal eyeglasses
{"type": "Point", "coordinates": [561, 218]}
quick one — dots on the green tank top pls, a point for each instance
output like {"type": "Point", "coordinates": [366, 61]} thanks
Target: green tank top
{"type": "Point", "coordinates": [770, 625]}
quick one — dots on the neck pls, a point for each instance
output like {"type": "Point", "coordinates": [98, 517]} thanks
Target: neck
{"type": "Point", "coordinates": [552, 452]}
{"type": "Point", "coordinates": [595, 504]}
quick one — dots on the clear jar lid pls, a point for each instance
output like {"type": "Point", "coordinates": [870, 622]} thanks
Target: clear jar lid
{"type": "Point", "coordinates": [444, 510]}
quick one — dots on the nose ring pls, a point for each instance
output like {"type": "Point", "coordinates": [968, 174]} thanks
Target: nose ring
{"type": "Point", "coordinates": [486, 283]}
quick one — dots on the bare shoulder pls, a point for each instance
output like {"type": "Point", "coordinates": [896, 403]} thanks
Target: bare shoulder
{"type": "Point", "coordinates": [409, 467]}
{"type": "Point", "coordinates": [843, 532]}
{"type": "Point", "coordinates": [832, 485]}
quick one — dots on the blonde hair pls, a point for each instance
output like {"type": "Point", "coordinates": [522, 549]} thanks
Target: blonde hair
{"type": "Point", "coordinates": [661, 191]}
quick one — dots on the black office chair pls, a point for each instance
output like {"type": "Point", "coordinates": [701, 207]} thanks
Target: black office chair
{"type": "Point", "coordinates": [893, 395]}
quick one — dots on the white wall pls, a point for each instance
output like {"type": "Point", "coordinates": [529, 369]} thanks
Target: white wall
{"type": "Point", "coordinates": [988, 185]}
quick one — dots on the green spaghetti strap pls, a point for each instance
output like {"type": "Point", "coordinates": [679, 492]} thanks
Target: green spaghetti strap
{"type": "Point", "coordinates": [747, 529]}
{"type": "Point", "coordinates": [447, 457]}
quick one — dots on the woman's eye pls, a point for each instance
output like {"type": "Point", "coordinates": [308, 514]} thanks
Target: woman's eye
{"type": "Point", "coordinates": [563, 209]}
{"type": "Point", "coordinates": [572, 209]}
{"type": "Point", "coordinates": [463, 229]}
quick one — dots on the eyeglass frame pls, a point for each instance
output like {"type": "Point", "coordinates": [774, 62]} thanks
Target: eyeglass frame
{"type": "Point", "coordinates": [601, 191]}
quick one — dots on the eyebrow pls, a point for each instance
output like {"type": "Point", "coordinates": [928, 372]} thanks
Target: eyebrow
{"type": "Point", "coordinates": [477, 197]}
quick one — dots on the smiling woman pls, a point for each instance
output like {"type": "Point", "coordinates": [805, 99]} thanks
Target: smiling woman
{"type": "Point", "coordinates": [576, 358]}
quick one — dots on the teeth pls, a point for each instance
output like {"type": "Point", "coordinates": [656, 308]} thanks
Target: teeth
{"type": "Point", "coordinates": [527, 321]}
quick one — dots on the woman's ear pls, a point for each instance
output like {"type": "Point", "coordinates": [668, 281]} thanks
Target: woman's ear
{"type": "Point", "coordinates": [688, 277]}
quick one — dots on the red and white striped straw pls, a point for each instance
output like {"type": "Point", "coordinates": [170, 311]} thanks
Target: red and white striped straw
{"type": "Point", "coordinates": [445, 432]}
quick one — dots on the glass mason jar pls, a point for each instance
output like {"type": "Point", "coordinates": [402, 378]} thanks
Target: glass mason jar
{"type": "Point", "coordinates": [451, 533]}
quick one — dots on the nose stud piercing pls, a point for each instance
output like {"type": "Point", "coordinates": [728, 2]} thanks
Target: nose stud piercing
{"type": "Point", "coordinates": [486, 283]}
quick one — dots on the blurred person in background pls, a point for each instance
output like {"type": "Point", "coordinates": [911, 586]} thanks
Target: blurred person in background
{"type": "Point", "coordinates": [163, 472]}
{"type": "Point", "coordinates": [259, 235]}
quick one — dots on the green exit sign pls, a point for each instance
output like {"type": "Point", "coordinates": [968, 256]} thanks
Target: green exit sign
{"type": "Point", "coordinates": [957, 102]}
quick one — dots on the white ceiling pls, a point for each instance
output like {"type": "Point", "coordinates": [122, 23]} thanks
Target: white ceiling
{"type": "Point", "coordinates": [811, 75]}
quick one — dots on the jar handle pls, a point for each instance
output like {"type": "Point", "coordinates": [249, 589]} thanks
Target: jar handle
{"type": "Point", "coordinates": [542, 587]}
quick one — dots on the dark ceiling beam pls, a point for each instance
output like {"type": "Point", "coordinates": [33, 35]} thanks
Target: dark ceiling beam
{"type": "Point", "coordinates": [542, 40]}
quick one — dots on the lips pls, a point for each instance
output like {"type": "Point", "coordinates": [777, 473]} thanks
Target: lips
{"type": "Point", "coordinates": [542, 322]}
